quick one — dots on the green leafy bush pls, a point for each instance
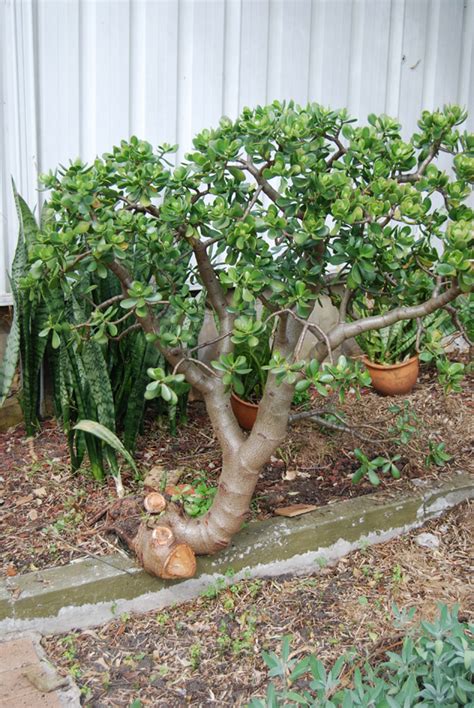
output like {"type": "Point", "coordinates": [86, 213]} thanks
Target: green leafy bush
{"type": "Point", "coordinates": [435, 667]}
{"type": "Point", "coordinates": [368, 468]}
{"type": "Point", "coordinates": [277, 209]}
{"type": "Point", "coordinates": [199, 501]}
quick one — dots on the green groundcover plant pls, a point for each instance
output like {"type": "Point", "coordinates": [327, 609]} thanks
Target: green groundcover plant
{"type": "Point", "coordinates": [435, 667]}
{"type": "Point", "coordinates": [266, 214]}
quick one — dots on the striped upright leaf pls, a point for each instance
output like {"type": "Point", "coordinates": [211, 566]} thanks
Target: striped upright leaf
{"type": "Point", "coordinates": [10, 360]}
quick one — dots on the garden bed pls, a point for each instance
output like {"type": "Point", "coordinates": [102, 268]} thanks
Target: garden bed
{"type": "Point", "coordinates": [50, 516]}
{"type": "Point", "coordinates": [208, 651]}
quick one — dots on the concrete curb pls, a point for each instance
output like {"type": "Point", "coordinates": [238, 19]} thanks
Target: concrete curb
{"type": "Point", "coordinates": [88, 592]}
{"type": "Point", "coordinates": [10, 414]}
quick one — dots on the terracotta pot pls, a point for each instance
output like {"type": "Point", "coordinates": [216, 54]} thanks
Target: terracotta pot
{"type": "Point", "coordinates": [245, 412]}
{"type": "Point", "coordinates": [393, 379]}
{"type": "Point", "coordinates": [175, 490]}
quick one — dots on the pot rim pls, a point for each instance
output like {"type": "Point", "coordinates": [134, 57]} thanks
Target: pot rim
{"type": "Point", "coordinates": [241, 400]}
{"type": "Point", "coordinates": [387, 367]}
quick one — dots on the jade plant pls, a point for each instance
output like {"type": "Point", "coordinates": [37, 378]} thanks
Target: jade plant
{"type": "Point", "coordinates": [277, 208]}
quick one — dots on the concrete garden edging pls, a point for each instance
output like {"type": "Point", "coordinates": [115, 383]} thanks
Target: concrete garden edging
{"type": "Point", "coordinates": [10, 414]}
{"type": "Point", "coordinates": [89, 592]}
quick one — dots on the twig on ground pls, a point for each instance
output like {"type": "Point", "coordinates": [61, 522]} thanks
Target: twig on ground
{"type": "Point", "coordinates": [95, 557]}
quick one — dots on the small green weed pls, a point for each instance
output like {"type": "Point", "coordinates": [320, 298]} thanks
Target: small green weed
{"type": "Point", "coordinates": [437, 455]}
{"type": "Point", "coordinates": [195, 655]}
{"type": "Point", "coordinates": [368, 468]}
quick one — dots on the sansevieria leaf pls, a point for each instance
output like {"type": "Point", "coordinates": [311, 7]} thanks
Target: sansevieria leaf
{"type": "Point", "coordinates": [10, 360]}
{"type": "Point", "coordinates": [99, 383]}
{"type": "Point", "coordinates": [107, 436]}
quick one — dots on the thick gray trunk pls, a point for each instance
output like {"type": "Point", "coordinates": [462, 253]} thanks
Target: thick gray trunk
{"type": "Point", "coordinates": [242, 461]}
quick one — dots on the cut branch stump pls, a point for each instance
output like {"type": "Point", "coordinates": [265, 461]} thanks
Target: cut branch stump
{"type": "Point", "coordinates": [154, 543]}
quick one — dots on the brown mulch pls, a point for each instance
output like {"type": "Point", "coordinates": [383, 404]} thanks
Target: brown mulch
{"type": "Point", "coordinates": [49, 516]}
{"type": "Point", "coordinates": [46, 511]}
{"type": "Point", "coordinates": [208, 652]}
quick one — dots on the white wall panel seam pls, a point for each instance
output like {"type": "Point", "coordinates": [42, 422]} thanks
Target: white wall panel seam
{"type": "Point", "coordinates": [466, 59]}
{"type": "Point", "coordinates": [355, 57]}
{"type": "Point", "coordinates": [429, 64]}
{"type": "Point", "coordinates": [395, 57]}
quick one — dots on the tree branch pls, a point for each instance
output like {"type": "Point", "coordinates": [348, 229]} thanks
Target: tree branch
{"type": "Point", "coordinates": [415, 176]}
{"type": "Point", "coordinates": [343, 331]}
{"type": "Point", "coordinates": [215, 292]}
{"type": "Point", "coordinates": [195, 376]}
{"type": "Point", "coordinates": [103, 305]}
{"type": "Point", "coordinates": [457, 323]}
{"type": "Point", "coordinates": [123, 334]}
{"type": "Point", "coordinates": [122, 274]}
{"type": "Point", "coordinates": [346, 298]}
{"type": "Point", "coordinates": [210, 280]}
{"type": "Point", "coordinates": [266, 187]}
{"type": "Point", "coordinates": [306, 325]}
{"type": "Point", "coordinates": [341, 427]}
{"type": "Point", "coordinates": [251, 203]}
{"type": "Point", "coordinates": [341, 150]}
{"type": "Point", "coordinates": [133, 206]}
{"type": "Point", "coordinates": [77, 260]}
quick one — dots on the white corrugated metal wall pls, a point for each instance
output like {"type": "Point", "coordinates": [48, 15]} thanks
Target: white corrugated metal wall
{"type": "Point", "coordinates": [76, 76]}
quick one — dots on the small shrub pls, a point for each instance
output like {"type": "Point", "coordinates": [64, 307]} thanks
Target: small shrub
{"type": "Point", "coordinates": [368, 467]}
{"type": "Point", "coordinates": [435, 667]}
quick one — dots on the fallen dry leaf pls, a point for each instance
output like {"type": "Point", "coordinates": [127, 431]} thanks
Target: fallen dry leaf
{"type": "Point", "coordinates": [24, 500]}
{"type": "Point", "coordinates": [290, 475]}
{"type": "Point", "coordinates": [40, 492]}
{"type": "Point", "coordinates": [295, 509]}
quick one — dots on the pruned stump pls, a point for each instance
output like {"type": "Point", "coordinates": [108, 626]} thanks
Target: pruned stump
{"type": "Point", "coordinates": [154, 503]}
{"type": "Point", "coordinates": [153, 542]}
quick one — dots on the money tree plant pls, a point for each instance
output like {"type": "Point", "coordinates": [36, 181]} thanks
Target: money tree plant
{"type": "Point", "coordinates": [266, 214]}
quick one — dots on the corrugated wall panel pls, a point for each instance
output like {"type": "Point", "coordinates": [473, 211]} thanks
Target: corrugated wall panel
{"type": "Point", "coordinates": [76, 76]}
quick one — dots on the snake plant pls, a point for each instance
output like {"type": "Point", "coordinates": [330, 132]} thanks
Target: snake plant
{"type": "Point", "coordinates": [405, 338]}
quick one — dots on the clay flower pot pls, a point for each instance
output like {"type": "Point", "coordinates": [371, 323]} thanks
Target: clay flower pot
{"type": "Point", "coordinates": [393, 379]}
{"type": "Point", "coordinates": [245, 412]}
{"type": "Point", "coordinates": [183, 490]}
